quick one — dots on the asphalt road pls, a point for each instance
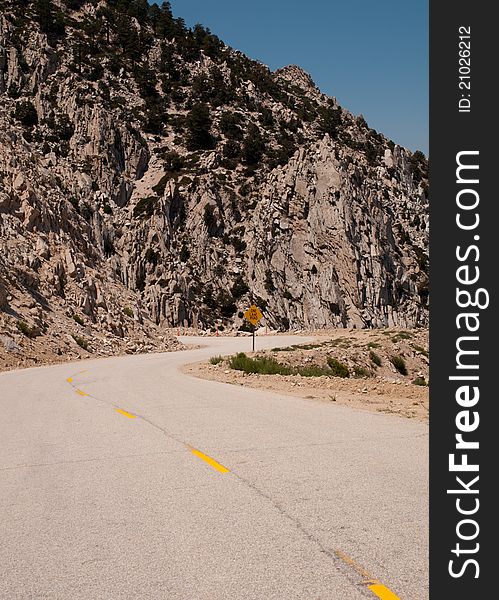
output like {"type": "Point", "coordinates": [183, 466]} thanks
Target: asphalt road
{"type": "Point", "coordinates": [198, 490]}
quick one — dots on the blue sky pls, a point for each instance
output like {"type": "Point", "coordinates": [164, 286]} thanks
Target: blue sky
{"type": "Point", "coordinates": [371, 55]}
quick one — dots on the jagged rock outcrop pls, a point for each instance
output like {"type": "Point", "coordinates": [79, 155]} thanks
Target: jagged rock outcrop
{"type": "Point", "coordinates": [151, 169]}
{"type": "Point", "coordinates": [325, 242]}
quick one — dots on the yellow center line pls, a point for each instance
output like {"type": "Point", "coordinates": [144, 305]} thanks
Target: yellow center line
{"type": "Point", "coordinates": [377, 588]}
{"type": "Point", "coordinates": [360, 570]}
{"type": "Point", "coordinates": [70, 379]}
{"type": "Point", "coordinates": [383, 592]}
{"type": "Point", "coordinates": [126, 414]}
{"type": "Point", "coordinates": [210, 461]}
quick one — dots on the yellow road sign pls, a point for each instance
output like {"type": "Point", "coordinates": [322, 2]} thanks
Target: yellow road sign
{"type": "Point", "coordinates": [253, 314]}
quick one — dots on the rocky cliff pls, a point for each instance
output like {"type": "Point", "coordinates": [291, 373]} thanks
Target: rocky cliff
{"type": "Point", "coordinates": [151, 176]}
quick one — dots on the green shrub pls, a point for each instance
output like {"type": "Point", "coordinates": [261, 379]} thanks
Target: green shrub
{"type": "Point", "coordinates": [209, 217]}
{"type": "Point", "coordinates": [151, 256]}
{"type": "Point", "coordinates": [340, 342]}
{"type": "Point", "coordinates": [399, 363]}
{"type": "Point", "coordinates": [145, 207]}
{"type": "Point", "coordinates": [312, 371]}
{"type": "Point", "coordinates": [184, 254]}
{"type": "Point", "coordinates": [264, 365]}
{"type": "Point", "coordinates": [185, 181]}
{"type": "Point", "coordinates": [81, 342]}
{"type": "Point", "coordinates": [227, 310]}
{"type": "Point", "coordinates": [239, 244]}
{"type": "Point", "coordinates": [372, 154]}
{"type": "Point", "coordinates": [229, 125]}
{"type": "Point", "coordinates": [62, 127]}
{"type": "Point", "coordinates": [269, 366]}
{"type": "Point", "coordinates": [361, 372]}
{"type": "Point", "coordinates": [338, 368]}
{"type": "Point", "coordinates": [78, 319]}
{"type": "Point", "coordinates": [373, 345]}
{"type": "Point", "coordinates": [216, 360]}
{"type": "Point", "coordinates": [74, 203]}
{"type": "Point", "coordinates": [420, 381]}
{"type": "Point", "coordinates": [401, 335]}
{"type": "Point", "coordinates": [25, 113]}
{"type": "Point", "coordinates": [239, 288]}
{"type": "Point", "coordinates": [226, 303]}
{"type": "Point", "coordinates": [231, 151]}
{"type": "Point", "coordinates": [297, 347]}
{"type": "Point", "coordinates": [375, 358]}
{"type": "Point", "coordinates": [26, 329]}
{"type": "Point", "coordinates": [421, 350]}
{"type": "Point", "coordinates": [128, 312]}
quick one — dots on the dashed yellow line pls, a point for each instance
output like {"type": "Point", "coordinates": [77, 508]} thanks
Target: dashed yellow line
{"type": "Point", "coordinates": [377, 588]}
{"type": "Point", "coordinates": [125, 413]}
{"type": "Point", "coordinates": [213, 463]}
{"type": "Point", "coordinates": [383, 592]}
{"type": "Point", "coordinates": [84, 394]}
{"type": "Point", "coordinates": [368, 580]}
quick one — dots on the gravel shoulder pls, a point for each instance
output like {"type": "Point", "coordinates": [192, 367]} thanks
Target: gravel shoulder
{"type": "Point", "coordinates": [385, 390]}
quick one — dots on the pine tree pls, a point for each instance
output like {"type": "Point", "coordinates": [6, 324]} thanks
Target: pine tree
{"type": "Point", "coordinates": [330, 120]}
{"type": "Point", "coordinates": [198, 122]}
{"type": "Point", "coordinates": [165, 26]}
{"type": "Point", "coordinates": [50, 19]}
{"type": "Point", "coordinates": [74, 4]}
{"type": "Point", "coordinates": [26, 113]}
{"type": "Point", "coordinates": [128, 37]}
{"type": "Point", "coordinates": [253, 146]}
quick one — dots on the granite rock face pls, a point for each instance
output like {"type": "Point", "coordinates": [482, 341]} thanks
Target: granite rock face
{"type": "Point", "coordinates": [151, 176]}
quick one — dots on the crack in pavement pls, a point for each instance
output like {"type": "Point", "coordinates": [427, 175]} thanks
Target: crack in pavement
{"type": "Point", "coordinates": [341, 562]}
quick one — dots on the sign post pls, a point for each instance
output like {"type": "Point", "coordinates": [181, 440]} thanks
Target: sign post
{"type": "Point", "coordinates": [253, 315]}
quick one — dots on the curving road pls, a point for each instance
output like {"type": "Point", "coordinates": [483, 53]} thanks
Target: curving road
{"type": "Point", "coordinates": [134, 481]}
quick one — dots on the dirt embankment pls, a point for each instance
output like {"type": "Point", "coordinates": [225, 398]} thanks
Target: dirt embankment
{"type": "Point", "coordinates": [387, 370]}
{"type": "Point", "coordinates": [66, 340]}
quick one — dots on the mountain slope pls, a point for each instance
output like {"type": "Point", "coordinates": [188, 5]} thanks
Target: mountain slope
{"type": "Point", "coordinates": [152, 176]}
